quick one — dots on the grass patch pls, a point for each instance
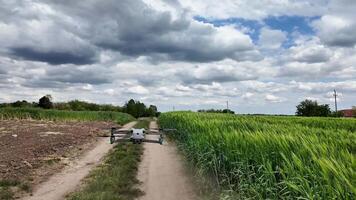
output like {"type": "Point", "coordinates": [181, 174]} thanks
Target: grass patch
{"type": "Point", "coordinates": [9, 183]}
{"type": "Point", "coordinates": [6, 193]}
{"type": "Point", "coordinates": [116, 178]}
{"type": "Point", "coordinates": [42, 114]}
{"type": "Point", "coordinates": [143, 123]}
{"type": "Point", "coordinates": [52, 161]}
{"type": "Point", "coordinates": [5, 189]}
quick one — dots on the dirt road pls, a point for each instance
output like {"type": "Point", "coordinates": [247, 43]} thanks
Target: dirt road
{"type": "Point", "coordinates": [66, 181]}
{"type": "Point", "coordinates": [162, 173]}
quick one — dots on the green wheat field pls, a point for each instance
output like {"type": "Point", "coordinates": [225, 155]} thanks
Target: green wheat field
{"type": "Point", "coordinates": [270, 157]}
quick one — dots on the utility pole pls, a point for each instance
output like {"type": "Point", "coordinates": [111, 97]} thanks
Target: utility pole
{"type": "Point", "coordinates": [173, 108]}
{"type": "Point", "coordinates": [227, 105]}
{"type": "Point", "coordinates": [335, 97]}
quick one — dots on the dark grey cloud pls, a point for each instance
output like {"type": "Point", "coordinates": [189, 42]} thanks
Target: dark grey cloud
{"type": "Point", "coordinates": [2, 70]}
{"type": "Point", "coordinates": [73, 32]}
{"type": "Point", "coordinates": [133, 28]}
{"type": "Point", "coordinates": [66, 76]}
{"type": "Point", "coordinates": [149, 80]}
{"type": "Point", "coordinates": [55, 58]}
{"type": "Point", "coordinates": [76, 75]}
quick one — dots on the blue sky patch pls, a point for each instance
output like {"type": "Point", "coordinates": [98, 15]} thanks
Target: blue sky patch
{"type": "Point", "coordinates": [253, 25]}
{"type": "Point", "coordinates": [287, 24]}
{"type": "Point", "coordinates": [291, 23]}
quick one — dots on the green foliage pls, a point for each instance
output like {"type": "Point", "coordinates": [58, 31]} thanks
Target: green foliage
{"type": "Point", "coordinates": [217, 111]}
{"type": "Point", "coordinates": [132, 107]}
{"type": "Point", "coordinates": [310, 108]}
{"type": "Point", "coordinates": [116, 179]}
{"type": "Point", "coordinates": [270, 157]}
{"type": "Point", "coordinates": [86, 106]}
{"type": "Point", "coordinates": [152, 111]}
{"type": "Point", "coordinates": [5, 189]}
{"type": "Point", "coordinates": [138, 109]}
{"type": "Point", "coordinates": [42, 114]}
{"type": "Point", "coordinates": [143, 123]}
{"type": "Point", "coordinates": [45, 102]}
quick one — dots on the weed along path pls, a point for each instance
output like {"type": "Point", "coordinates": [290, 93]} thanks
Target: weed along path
{"type": "Point", "coordinates": [162, 173]}
{"type": "Point", "coordinates": [57, 186]}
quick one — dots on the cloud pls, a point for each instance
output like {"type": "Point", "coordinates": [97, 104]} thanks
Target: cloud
{"type": "Point", "coordinates": [254, 9]}
{"type": "Point", "coordinates": [274, 99]}
{"type": "Point", "coordinates": [336, 30]}
{"type": "Point", "coordinates": [323, 87]}
{"type": "Point", "coordinates": [53, 57]}
{"type": "Point", "coordinates": [66, 76]}
{"type": "Point", "coordinates": [153, 32]}
{"type": "Point", "coordinates": [247, 95]}
{"type": "Point", "coordinates": [215, 72]}
{"type": "Point", "coordinates": [271, 39]}
{"type": "Point", "coordinates": [140, 90]}
{"type": "Point", "coordinates": [250, 53]}
{"type": "Point", "coordinates": [310, 53]}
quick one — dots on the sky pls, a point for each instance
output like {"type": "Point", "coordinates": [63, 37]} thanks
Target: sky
{"type": "Point", "coordinates": [262, 56]}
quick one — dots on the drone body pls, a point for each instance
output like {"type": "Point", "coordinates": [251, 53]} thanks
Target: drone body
{"type": "Point", "coordinates": [137, 136]}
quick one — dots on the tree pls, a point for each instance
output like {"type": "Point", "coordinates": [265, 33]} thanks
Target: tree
{"type": "Point", "coordinates": [138, 109]}
{"type": "Point", "coordinates": [46, 102]}
{"type": "Point", "coordinates": [323, 110]}
{"type": "Point", "coordinates": [310, 108]}
{"type": "Point", "coordinates": [217, 111]}
{"type": "Point", "coordinates": [152, 111]}
{"type": "Point", "coordinates": [22, 103]}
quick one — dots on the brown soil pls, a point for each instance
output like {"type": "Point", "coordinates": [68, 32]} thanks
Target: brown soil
{"type": "Point", "coordinates": [31, 151]}
{"type": "Point", "coordinates": [69, 179]}
{"type": "Point", "coordinates": [163, 174]}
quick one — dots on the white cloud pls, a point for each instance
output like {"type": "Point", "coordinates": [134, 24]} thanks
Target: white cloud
{"type": "Point", "coordinates": [272, 39]}
{"type": "Point", "coordinates": [335, 30]}
{"type": "Point", "coordinates": [310, 53]}
{"type": "Point", "coordinates": [138, 90]}
{"type": "Point", "coordinates": [254, 9]}
{"type": "Point", "coordinates": [274, 99]}
{"type": "Point", "coordinates": [155, 51]}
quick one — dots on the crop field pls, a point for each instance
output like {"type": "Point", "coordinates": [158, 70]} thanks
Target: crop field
{"type": "Point", "coordinates": [60, 115]}
{"type": "Point", "coordinates": [37, 143]}
{"type": "Point", "coordinates": [270, 157]}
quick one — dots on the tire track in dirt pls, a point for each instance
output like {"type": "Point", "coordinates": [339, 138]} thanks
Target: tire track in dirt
{"type": "Point", "coordinates": [60, 184]}
{"type": "Point", "coordinates": [162, 173]}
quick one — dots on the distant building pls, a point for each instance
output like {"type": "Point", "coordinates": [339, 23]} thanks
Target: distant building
{"type": "Point", "coordinates": [349, 112]}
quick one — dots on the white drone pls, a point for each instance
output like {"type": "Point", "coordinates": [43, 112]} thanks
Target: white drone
{"type": "Point", "coordinates": [137, 136]}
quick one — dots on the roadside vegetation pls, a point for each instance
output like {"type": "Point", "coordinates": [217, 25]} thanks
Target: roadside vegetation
{"type": "Point", "coordinates": [143, 123]}
{"type": "Point", "coordinates": [269, 157]}
{"type": "Point", "coordinates": [132, 107]}
{"type": "Point", "coordinates": [49, 114]}
{"type": "Point", "coordinates": [116, 178]}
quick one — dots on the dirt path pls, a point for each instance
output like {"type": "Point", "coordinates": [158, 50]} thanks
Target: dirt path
{"type": "Point", "coordinates": [162, 173]}
{"type": "Point", "coordinates": [56, 187]}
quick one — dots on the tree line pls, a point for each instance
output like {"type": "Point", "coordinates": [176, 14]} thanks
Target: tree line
{"type": "Point", "coordinates": [217, 111]}
{"type": "Point", "coordinates": [133, 107]}
{"type": "Point", "coordinates": [310, 108]}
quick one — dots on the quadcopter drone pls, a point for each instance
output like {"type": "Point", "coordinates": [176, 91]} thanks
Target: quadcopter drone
{"type": "Point", "coordinates": [137, 136]}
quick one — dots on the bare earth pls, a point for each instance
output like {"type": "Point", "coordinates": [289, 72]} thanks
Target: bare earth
{"type": "Point", "coordinates": [31, 150]}
{"type": "Point", "coordinates": [162, 173]}
{"type": "Point", "coordinates": [60, 184]}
